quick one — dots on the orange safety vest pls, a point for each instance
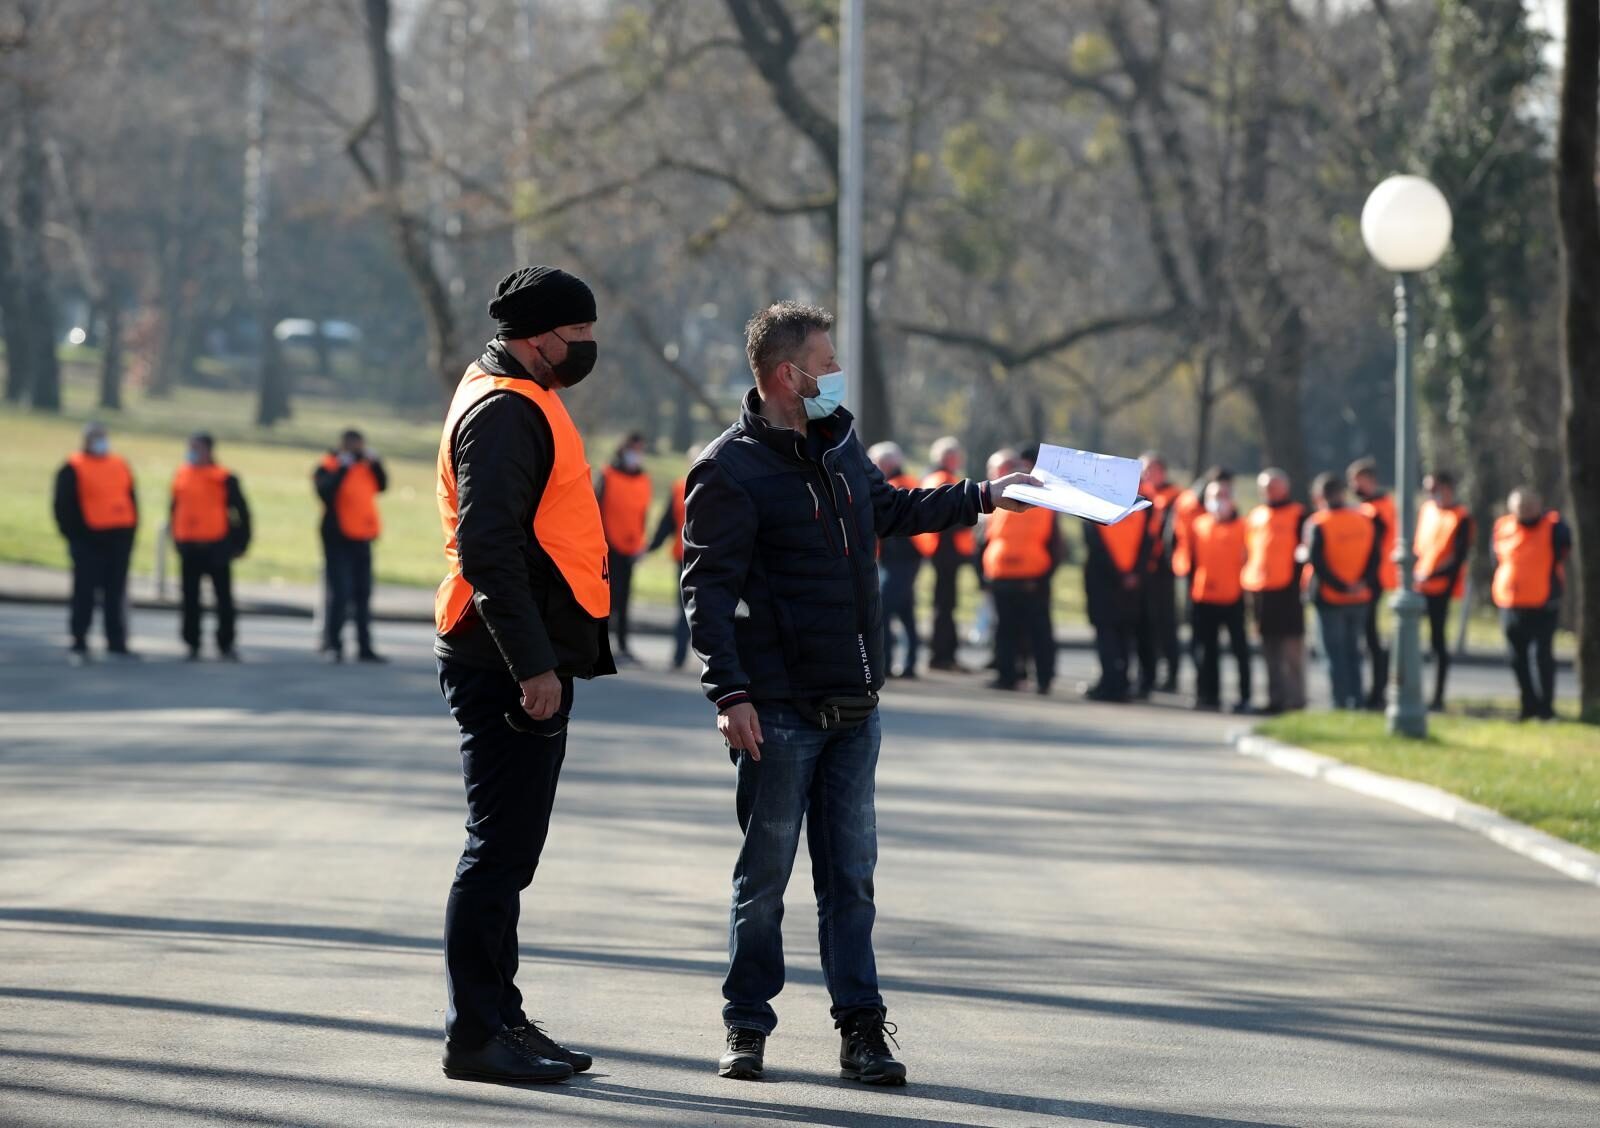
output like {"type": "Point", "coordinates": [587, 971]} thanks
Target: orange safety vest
{"type": "Point", "coordinates": [566, 524]}
{"type": "Point", "coordinates": [1383, 509]}
{"type": "Point", "coordinates": [1123, 539]}
{"type": "Point", "coordinates": [1347, 536]}
{"type": "Point", "coordinates": [1017, 545]}
{"type": "Point", "coordinates": [200, 504]}
{"type": "Point", "coordinates": [1184, 511]}
{"type": "Point", "coordinates": [1436, 534]}
{"type": "Point", "coordinates": [355, 505]}
{"type": "Point", "coordinates": [624, 509]}
{"type": "Point", "coordinates": [1160, 501]}
{"type": "Point", "coordinates": [1272, 534]}
{"type": "Point", "coordinates": [1525, 561]}
{"type": "Point", "coordinates": [105, 491]}
{"type": "Point", "coordinates": [678, 489]}
{"type": "Point", "coordinates": [1219, 554]}
{"type": "Point", "coordinates": [965, 541]}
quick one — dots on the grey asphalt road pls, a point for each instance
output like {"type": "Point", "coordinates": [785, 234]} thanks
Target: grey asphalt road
{"type": "Point", "coordinates": [221, 892]}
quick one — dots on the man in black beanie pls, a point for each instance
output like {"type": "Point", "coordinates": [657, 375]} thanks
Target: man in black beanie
{"type": "Point", "coordinates": [521, 614]}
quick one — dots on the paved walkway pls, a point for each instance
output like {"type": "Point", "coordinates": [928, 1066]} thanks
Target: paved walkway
{"type": "Point", "coordinates": [223, 885]}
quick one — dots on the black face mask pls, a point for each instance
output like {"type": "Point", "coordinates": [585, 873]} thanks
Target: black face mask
{"type": "Point", "coordinates": [578, 362]}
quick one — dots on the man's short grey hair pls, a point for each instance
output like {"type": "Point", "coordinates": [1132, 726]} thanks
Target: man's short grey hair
{"type": "Point", "coordinates": [1273, 474]}
{"type": "Point", "coordinates": [887, 450]}
{"type": "Point", "coordinates": [941, 447]}
{"type": "Point", "coordinates": [779, 332]}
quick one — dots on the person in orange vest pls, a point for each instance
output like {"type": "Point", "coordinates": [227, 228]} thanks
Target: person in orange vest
{"type": "Point", "coordinates": [1115, 567]}
{"type": "Point", "coordinates": [623, 489]}
{"type": "Point", "coordinates": [1341, 547]}
{"type": "Point", "coordinates": [1530, 553]}
{"type": "Point", "coordinates": [1273, 534]}
{"type": "Point", "coordinates": [348, 481]}
{"type": "Point", "coordinates": [521, 614]}
{"type": "Point", "coordinates": [670, 528]}
{"type": "Point", "coordinates": [210, 524]}
{"type": "Point", "coordinates": [899, 561]}
{"type": "Point", "coordinates": [1021, 549]}
{"type": "Point", "coordinates": [1362, 478]}
{"type": "Point", "coordinates": [97, 511]}
{"type": "Point", "coordinates": [1158, 617]}
{"type": "Point", "coordinates": [1442, 544]}
{"type": "Point", "coordinates": [1217, 557]}
{"type": "Point", "coordinates": [948, 552]}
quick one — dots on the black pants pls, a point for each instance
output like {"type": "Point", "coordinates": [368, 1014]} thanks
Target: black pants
{"type": "Point", "coordinates": [621, 567]}
{"type": "Point", "coordinates": [943, 643]}
{"type": "Point", "coordinates": [202, 561]}
{"type": "Point", "coordinates": [1158, 630]}
{"type": "Point", "coordinates": [348, 564]}
{"type": "Point", "coordinates": [511, 786]}
{"type": "Point", "coordinates": [1438, 624]}
{"type": "Point", "coordinates": [1530, 637]}
{"type": "Point", "coordinates": [100, 574]}
{"type": "Point", "coordinates": [1207, 622]}
{"type": "Point", "coordinates": [897, 587]}
{"type": "Point", "coordinates": [1022, 619]}
{"type": "Point", "coordinates": [1378, 655]}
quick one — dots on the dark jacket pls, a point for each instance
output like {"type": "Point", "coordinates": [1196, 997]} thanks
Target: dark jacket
{"type": "Point", "coordinates": [780, 546]}
{"type": "Point", "coordinates": [525, 617]}
{"type": "Point", "coordinates": [1110, 603]}
{"type": "Point", "coordinates": [327, 483]}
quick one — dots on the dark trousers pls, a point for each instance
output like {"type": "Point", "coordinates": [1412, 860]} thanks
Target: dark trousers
{"type": "Point", "coordinates": [348, 566]}
{"type": "Point", "coordinates": [1158, 630]}
{"type": "Point", "coordinates": [511, 786]}
{"type": "Point", "coordinates": [944, 641]}
{"type": "Point", "coordinates": [1340, 627]}
{"type": "Point", "coordinates": [1207, 622]}
{"type": "Point", "coordinates": [1438, 629]}
{"type": "Point", "coordinates": [1114, 612]}
{"type": "Point", "coordinates": [898, 587]}
{"type": "Point", "coordinates": [621, 567]}
{"type": "Point", "coordinates": [1377, 655]}
{"type": "Point", "coordinates": [213, 562]}
{"type": "Point", "coordinates": [1530, 637]}
{"type": "Point", "coordinates": [100, 574]}
{"type": "Point", "coordinates": [1022, 619]}
{"type": "Point", "coordinates": [680, 630]}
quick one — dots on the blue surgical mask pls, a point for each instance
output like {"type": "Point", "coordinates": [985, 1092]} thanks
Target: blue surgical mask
{"type": "Point", "coordinates": [192, 457]}
{"type": "Point", "coordinates": [100, 447]}
{"type": "Point", "coordinates": [830, 393]}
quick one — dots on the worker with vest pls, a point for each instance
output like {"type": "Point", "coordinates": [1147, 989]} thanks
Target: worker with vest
{"type": "Point", "coordinates": [1188, 505]}
{"type": "Point", "coordinates": [670, 528]}
{"type": "Point", "coordinates": [1530, 553]}
{"type": "Point", "coordinates": [1021, 549]}
{"type": "Point", "coordinates": [1273, 533]}
{"type": "Point", "coordinates": [948, 552]}
{"type": "Point", "coordinates": [1158, 617]}
{"type": "Point", "coordinates": [624, 492]}
{"type": "Point", "coordinates": [1115, 568]}
{"type": "Point", "coordinates": [520, 615]}
{"type": "Point", "coordinates": [210, 524]}
{"type": "Point", "coordinates": [348, 481]}
{"type": "Point", "coordinates": [899, 561]}
{"type": "Point", "coordinates": [1442, 544]}
{"type": "Point", "coordinates": [1378, 505]}
{"type": "Point", "coordinates": [98, 513]}
{"type": "Point", "coordinates": [1341, 547]}
{"type": "Point", "coordinates": [1218, 551]}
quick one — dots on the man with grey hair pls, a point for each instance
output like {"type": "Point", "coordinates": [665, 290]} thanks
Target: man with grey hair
{"type": "Point", "coordinates": [898, 565]}
{"type": "Point", "coordinates": [947, 551]}
{"type": "Point", "coordinates": [1271, 579]}
{"type": "Point", "coordinates": [98, 514]}
{"type": "Point", "coordinates": [781, 530]}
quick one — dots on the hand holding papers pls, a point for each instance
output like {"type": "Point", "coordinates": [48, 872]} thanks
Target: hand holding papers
{"type": "Point", "coordinates": [1097, 487]}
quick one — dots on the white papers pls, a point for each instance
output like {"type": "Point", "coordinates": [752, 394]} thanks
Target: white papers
{"type": "Point", "coordinates": [1097, 487]}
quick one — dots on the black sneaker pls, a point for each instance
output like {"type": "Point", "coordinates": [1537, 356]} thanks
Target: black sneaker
{"type": "Point", "coordinates": [192, 654]}
{"type": "Point", "coordinates": [78, 656]}
{"type": "Point", "coordinates": [505, 1057]}
{"type": "Point", "coordinates": [372, 656]}
{"type": "Point", "coordinates": [864, 1051]}
{"type": "Point", "coordinates": [333, 655]}
{"type": "Point", "coordinates": [123, 654]}
{"type": "Point", "coordinates": [228, 655]}
{"type": "Point", "coordinates": [745, 1056]}
{"type": "Point", "coordinates": [532, 1035]}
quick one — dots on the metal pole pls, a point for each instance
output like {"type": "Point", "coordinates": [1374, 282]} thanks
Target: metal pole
{"type": "Point", "coordinates": [852, 189]}
{"type": "Point", "coordinates": [1405, 714]}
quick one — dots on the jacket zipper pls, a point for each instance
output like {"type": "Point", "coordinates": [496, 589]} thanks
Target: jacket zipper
{"type": "Point", "coordinates": [855, 580]}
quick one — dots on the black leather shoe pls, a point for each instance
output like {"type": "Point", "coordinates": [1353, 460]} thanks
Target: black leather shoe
{"type": "Point", "coordinates": [372, 656]}
{"type": "Point", "coordinates": [746, 1055]}
{"type": "Point", "coordinates": [503, 1058]}
{"type": "Point", "coordinates": [533, 1036]}
{"type": "Point", "coordinates": [864, 1051]}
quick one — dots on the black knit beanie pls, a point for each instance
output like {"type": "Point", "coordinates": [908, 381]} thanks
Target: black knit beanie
{"type": "Point", "coordinates": [537, 299]}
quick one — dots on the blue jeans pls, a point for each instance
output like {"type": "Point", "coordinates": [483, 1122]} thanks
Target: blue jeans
{"type": "Point", "coordinates": [1342, 627]}
{"type": "Point", "coordinates": [826, 778]}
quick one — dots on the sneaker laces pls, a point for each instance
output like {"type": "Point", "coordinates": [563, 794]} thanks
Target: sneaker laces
{"type": "Point", "coordinates": [741, 1039]}
{"type": "Point", "coordinates": [873, 1032]}
{"type": "Point", "coordinates": [532, 1037]}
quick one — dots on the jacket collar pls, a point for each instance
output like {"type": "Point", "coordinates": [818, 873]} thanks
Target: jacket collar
{"type": "Point", "coordinates": [832, 432]}
{"type": "Point", "coordinates": [498, 361]}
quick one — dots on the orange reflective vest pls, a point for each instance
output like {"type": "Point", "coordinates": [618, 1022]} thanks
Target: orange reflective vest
{"type": "Point", "coordinates": [624, 509]}
{"type": "Point", "coordinates": [964, 540]}
{"type": "Point", "coordinates": [1219, 555]}
{"type": "Point", "coordinates": [1347, 538]}
{"type": "Point", "coordinates": [1185, 509]}
{"type": "Point", "coordinates": [105, 491]}
{"type": "Point", "coordinates": [355, 505]}
{"type": "Point", "coordinates": [566, 524]}
{"type": "Point", "coordinates": [200, 504]}
{"type": "Point", "coordinates": [1017, 545]}
{"type": "Point", "coordinates": [1436, 536]}
{"type": "Point", "coordinates": [1382, 508]}
{"type": "Point", "coordinates": [1526, 569]}
{"type": "Point", "coordinates": [678, 489]}
{"type": "Point", "coordinates": [1161, 500]}
{"type": "Point", "coordinates": [1124, 539]}
{"type": "Point", "coordinates": [1272, 533]}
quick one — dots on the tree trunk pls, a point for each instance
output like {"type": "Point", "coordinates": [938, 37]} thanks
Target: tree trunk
{"type": "Point", "coordinates": [875, 423]}
{"type": "Point", "coordinates": [1205, 406]}
{"type": "Point", "coordinates": [18, 348]}
{"type": "Point", "coordinates": [111, 349]}
{"type": "Point", "coordinates": [44, 371]}
{"type": "Point", "coordinates": [1579, 207]}
{"type": "Point", "coordinates": [272, 374]}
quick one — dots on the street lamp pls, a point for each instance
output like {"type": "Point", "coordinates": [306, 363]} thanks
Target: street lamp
{"type": "Point", "coordinates": [1406, 226]}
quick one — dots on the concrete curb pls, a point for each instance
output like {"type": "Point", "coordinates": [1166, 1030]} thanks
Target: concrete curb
{"type": "Point", "coordinates": [1574, 861]}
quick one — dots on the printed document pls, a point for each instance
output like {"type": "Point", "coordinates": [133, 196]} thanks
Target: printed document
{"type": "Point", "coordinates": [1097, 487]}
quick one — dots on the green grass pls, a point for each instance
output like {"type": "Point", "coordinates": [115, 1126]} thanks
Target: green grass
{"type": "Point", "coordinates": [1544, 775]}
